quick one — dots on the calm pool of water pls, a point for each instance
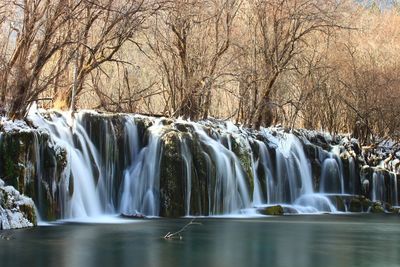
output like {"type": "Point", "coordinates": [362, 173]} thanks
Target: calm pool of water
{"type": "Point", "coordinates": [325, 240]}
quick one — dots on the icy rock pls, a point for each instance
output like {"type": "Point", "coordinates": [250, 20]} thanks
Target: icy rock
{"type": "Point", "coordinates": [14, 126]}
{"type": "Point", "coordinates": [16, 210]}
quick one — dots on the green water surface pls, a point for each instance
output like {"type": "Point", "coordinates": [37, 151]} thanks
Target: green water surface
{"type": "Point", "coordinates": [299, 241]}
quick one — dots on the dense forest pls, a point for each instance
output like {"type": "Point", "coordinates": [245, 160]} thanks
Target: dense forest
{"type": "Point", "coordinates": [318, 64]}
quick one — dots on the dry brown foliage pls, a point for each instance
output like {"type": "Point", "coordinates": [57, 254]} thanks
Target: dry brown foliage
{"type": "Point", "coordinates": [330, 65]}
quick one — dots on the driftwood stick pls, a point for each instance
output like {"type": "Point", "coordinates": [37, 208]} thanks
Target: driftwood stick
{"type": "Point", "coordinates": [177, 234]}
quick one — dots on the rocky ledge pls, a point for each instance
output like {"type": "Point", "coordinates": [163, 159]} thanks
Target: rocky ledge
{"type": "Point", "coordinates": [16, 210]}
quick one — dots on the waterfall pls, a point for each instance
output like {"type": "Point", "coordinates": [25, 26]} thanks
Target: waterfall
{"type": "Point", "coordinates": [352, 177]}
{"type": "Point", "coordinates": [137, 165]}
{"type": "Point", "coordinates": [82, 165]}
{"type": "Point", "coordinates": [394, 189]}
{"type": "Point", "coordinates": [330, 177]}
{"type": "Point", "coordinates": [230, 193]}
{"type": "Point", "coordinates": [139, 191]}
{"type": "Point", "coordinates": [188, 162]}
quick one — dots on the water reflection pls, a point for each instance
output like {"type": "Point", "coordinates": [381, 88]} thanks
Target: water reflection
{"type": "Point", "coordinates": [284, 241]}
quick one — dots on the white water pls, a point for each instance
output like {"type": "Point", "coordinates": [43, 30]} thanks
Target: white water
{"type": "Point", "coordinates": [187, 161]}
{"type": "Point", "coordinates": [85, 200]}
{"type": "Point", "coordinates": [141, 178]}
{"type": "Point", "coordinates": [280, 169]}
{"type": "Point", "coordinates": [230, 192]}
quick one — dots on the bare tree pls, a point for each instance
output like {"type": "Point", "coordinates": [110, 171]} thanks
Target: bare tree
{"type": "Point", "coordinates": [103, 29]}
{"type": "Point", "coordinates": [37, 34]}
{"type": "Point", "coordinates": [283, 28]}
{"type": "Point", "coordinates": [189, 41]}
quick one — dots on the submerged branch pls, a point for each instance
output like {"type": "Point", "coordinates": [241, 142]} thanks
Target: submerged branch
{"type": "Point", "coordinates": [177, 234]}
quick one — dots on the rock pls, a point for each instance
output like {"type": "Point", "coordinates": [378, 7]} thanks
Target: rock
{"type": "Point", "coordinates": [396, 210]}
{"type": "Point", "coordinates": [272, 210]}
{"type": "Point", "coordinates": [355, 205]}
{"type": "Point", "coordinates": [388, 208]}
{"type": "Point", "coordinates": [16, 210]}
{"type": "Point", "coordinates": [338, 201]}
{"type": "Point", "coordinates": [242, 150]}
{"type": "Point", "coordinates": [33, 164]}
{"type": "Point", "coordinates": [172, 190]}
{"type": "Point", "coordinates": [377, 207]}
{"type": "Point", "coordinates": [289, 210]}
{"type": "Point", "coordinates": [133, 216]}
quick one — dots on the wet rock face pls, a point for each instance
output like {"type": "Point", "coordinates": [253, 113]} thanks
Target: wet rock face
{"type": "Point", "coordinates": [183, 156]}
{"type": "Point", "coordinates": [172, 192]}
{"type": "Point", "coordinates": [243, 151]}
{"type": "Point", "coordinates": [32, 164]}
{"type": "Point", "coordinates": [16, 210]}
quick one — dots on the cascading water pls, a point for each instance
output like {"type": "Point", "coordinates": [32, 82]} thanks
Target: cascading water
{"type": "Point", "coordinates": [83, 164]}
{"type": "Point", "coordinates": [188, 162]}
{"type": "Point", "coordinates": [139, 191]}
{"type": "Point", "coordinates": [118, 164]}
{"type": "Point", "coordinates": [378, 183]}
{"type": "Point", "coordinates": [289, 182]}
{"type": "Point", "coordinates": [330, 177]}
{"type": "Point", "coordinates": [384, 187]}
{"type": "Point", "coordinates": [230, 193]}
{"type": "Point", "coordinates": [352, 176]}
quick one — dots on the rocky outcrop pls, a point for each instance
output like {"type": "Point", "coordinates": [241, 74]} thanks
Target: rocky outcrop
{"type": "Point", "coordinates": [33, 164]}
{"type": "Point", "coordinates": [16, 210]}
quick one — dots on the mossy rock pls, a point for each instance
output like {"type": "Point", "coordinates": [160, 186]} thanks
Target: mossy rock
{"type": "Point", "coordinates": [388, 208]}
{"type": "Point", "coordinates": [29, 212]}
{"type": "Point", "coordinates": [377, 207]}
{"type": "Point", "coordinates": [396, 211]}
{"type": "Point", "coordinates": [272, 210]}
{"type": "Point", "coordinates": [339, 203]}
{"type": "Point", "coordinates": [183, 127]}
{"type": "Point", "coordinates": [243, 153]}
{"type": "Point", "coordinates": [365, 203]}
{"type": "Point", "coordinates": [172, 191]}
{"type": "Point", "coordinates": [355, 205]}
{"type": "Point", "coordinates": [202, 173]}
{"type": "Point", "coordinates": [166, 121]}
{"type": "Point", "coordinates": [313, 154]}
{"type": "Point", "coordinates": [13, 150]}
{"type": "Point", "coordinates": [30, 162]}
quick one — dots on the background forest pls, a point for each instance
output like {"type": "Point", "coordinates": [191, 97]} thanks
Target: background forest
{"type": "Point", "coordinates": [318, 64]}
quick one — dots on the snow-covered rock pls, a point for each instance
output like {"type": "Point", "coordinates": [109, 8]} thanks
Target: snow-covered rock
{"type": "Point", "coordinates": [8, 125]}
{"type": "Point", "coordinates": [16, 210]}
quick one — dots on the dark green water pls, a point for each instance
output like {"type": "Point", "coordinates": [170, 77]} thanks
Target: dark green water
{"type": "Point", "coordinates": [328, 240]}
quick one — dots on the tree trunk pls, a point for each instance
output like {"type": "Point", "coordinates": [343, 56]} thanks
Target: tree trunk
{"type": "Point", "coordinates": [263, 115]}
{"type": "Point", "coordinates": [19, 105]}
{"type": "Point", "coordinates": [64, 98]}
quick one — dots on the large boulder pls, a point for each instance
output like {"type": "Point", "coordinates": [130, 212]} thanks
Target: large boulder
{"type": "Point", "coordinates": [272, 210]}
{"type": "Point", "coordinates": [16, 210]}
